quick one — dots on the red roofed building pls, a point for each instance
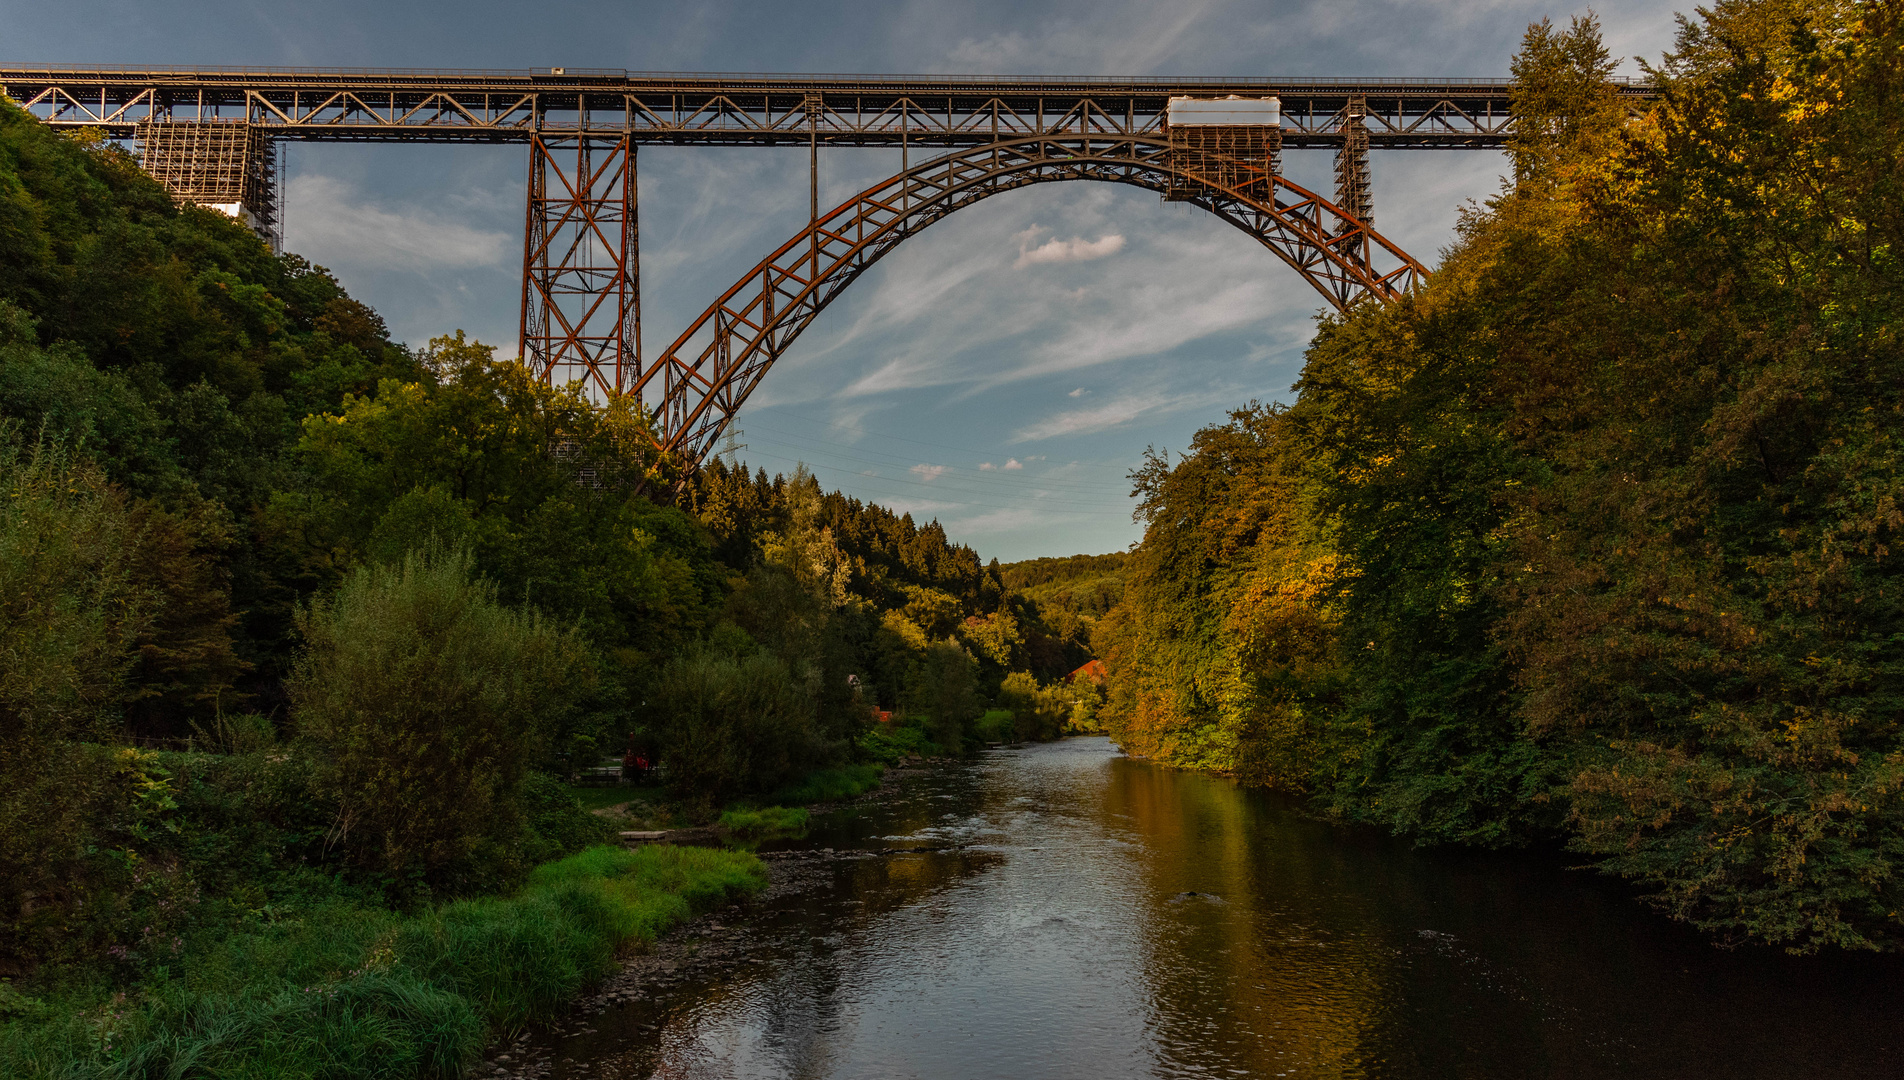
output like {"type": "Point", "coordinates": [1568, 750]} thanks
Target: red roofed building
{"type": "Point", "coordinates": [1094, 671]}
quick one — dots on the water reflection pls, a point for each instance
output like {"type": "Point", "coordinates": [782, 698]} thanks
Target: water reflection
{"type": "Point", "coordinates": [1081, 914]}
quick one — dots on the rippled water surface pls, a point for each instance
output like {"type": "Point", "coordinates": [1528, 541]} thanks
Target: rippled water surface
{"type": "Point", "coordinates": [1084, 915]}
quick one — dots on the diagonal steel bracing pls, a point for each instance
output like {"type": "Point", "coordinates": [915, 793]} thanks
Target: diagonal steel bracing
{"type": "Point", "coordinates": [581, 302]}
{"type": "Point", "coordinates": [697, 385]}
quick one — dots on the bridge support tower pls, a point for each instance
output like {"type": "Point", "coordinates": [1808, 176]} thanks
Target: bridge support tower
{"type": "Point", "coordinates": [581, 296]}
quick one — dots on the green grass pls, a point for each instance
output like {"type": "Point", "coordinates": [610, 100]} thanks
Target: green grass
{"type": "Point", "coordinates": [826, 785]}
{"type": "Point", "coordinates": [758, 824]}
{"type": "Point", "coordinates": [891, 743]}
{"type": "Point", "coordinates": [349, 991]}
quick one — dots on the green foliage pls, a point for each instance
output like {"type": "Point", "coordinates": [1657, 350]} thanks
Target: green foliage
{"type": "Point", "coordinates": [942, 689]}
{"type": "Point", "coordinates": [1592, 535]}
{"type": "Point", "coordinates": [827, 785]}
{"type": "Point", "coordinates": [996, 726]}
{"type": "Point", "coordinates": [1039, 713]}
{"type": "Point", "coordinates": [732, 725]}
{"type": "Point", "coordinates": [749, 823]}
{"type": "Point", "coordinates": [426, 699]}
{"type": "Point", "coordinates": [555, 822]}
{"type": "Point", "coordinates": [343, 991]}
{"type": "Point", "coordinates": [893, 742]}
{"type": "Point", "coordinates": [70, 609]}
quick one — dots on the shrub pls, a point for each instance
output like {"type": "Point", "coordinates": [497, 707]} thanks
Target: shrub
{"type": "Point", "coordinates": [825, 785]}
{"type": "Point", "coordinates": [1038, 712]}
{"type": "Point", "coordinates": [942, 688]}
{"type": "Point", "coordinates": [732, 725]}
{"type": "Point", "coordinates": [996, 726]}
{"type": "Point", "coordinates": [69, 611]}
{"type": "Point", "coordinates": [906, 737]}
{"type": "Point", "coordinates": [426, 699]}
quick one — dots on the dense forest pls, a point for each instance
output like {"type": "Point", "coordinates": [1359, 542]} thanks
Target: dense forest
{"type": "Point", "coordinates": [302, 627]}
{"type": "Point", "coordinates": [1590, 538]}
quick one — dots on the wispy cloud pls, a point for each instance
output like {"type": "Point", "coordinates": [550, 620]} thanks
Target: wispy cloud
{"type": "Point", "coordinates": [1012, 465]}
{"type": "Point", "coordinates": [332, 216]}
{"type": "Point", "coordinates": [929, 473]}
{"type": "Point", "coordinates": [1130, 38]}
{"type": "Point", "coordinates": [1111, 414]}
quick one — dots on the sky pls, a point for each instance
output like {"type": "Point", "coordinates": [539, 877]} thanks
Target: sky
{"type": "Point", "coordinates": [1002, 372]}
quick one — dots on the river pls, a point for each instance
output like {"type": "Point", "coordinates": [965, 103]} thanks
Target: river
{"type": "Point", "coordinates": [1064, 911]}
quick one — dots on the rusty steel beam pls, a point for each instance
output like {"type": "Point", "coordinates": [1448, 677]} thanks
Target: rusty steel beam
{"type": "Point", "coordinates": [925, 110]}
{"type": "Point", "coordinates": [581, 300]}
{"type": "Point", "coordinates": [697, 385]}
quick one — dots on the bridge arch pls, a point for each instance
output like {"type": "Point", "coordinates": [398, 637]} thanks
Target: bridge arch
{"type": "Point", "coordinates": [709, 371]}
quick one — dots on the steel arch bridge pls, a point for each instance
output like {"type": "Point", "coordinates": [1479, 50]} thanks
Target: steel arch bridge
{"type": "Point", "coordinates": [211, 134]}
{"type": "Point", "coordinates": [698, 384]}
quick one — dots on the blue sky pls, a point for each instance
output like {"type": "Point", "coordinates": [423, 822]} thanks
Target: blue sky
{"type": "Point", "coordinates": [1003, 371]}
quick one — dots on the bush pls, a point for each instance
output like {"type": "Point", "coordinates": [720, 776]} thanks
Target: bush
{"type": "Point", "coordinates": [905, 737]}
{"type": "Point", "coordinates": [825, 785]}
{"type": "Point", "coordinates": [556, 823]}
{"type": "Point", "coordinates": [942, 688]}
{"type": "Point", "coordinates": [426, 699]}
{"type": "Point", "coordinates": [69, 612]}
{"type": "Point", "coordinates": [1038, 712]}
{"type": "Point", "coordinates": [730, 725]}
{"type": "Point", "coordinates": [997, 726]}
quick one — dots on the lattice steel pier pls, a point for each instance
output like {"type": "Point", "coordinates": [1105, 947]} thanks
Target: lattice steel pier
{"type": "Point", "coordinates": [581, 297]}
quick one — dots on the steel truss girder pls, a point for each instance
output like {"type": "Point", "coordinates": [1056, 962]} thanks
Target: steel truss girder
{"type": "Point", "coordinates": [928, 111]}
{"type": "Point", "coordinates": [709, 371]}
{"type": "Point", "coordinates": [581, 301]}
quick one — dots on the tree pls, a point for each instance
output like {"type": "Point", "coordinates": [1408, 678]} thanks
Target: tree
{"type": "Point", "coordinates": [426, 700]}
{"type": "Point", "coordinates": [70, 610]}
{"type": "Point", "coordinates": [729, 725]}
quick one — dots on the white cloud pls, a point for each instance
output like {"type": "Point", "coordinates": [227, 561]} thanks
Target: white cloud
{"type": "Point", "coordinates": [1117, 413]}
{"type": "Point", "coordinates": [929, 473]}
{"type": "Point", "coordinates": [1074, 250]}
{"type": "Point", "coordinates": [335, 223]}
{"type": "Point", "coordinates": [1079, 392]}
{"type": "Point", "coordinates": [1011, 465]}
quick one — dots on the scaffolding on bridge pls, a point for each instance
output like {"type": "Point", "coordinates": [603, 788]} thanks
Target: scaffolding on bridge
{"type": "Point", "coordinates": [226, 165]}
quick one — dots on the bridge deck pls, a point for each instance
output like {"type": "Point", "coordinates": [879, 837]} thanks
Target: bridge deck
{"type": "Point", "coordinates": [739, 109]}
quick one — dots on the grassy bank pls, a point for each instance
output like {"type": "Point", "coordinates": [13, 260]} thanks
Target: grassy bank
{"type": "Point", "coordinates": [827, 785]}
{"type": "Point", "coordinates": [345, 990]}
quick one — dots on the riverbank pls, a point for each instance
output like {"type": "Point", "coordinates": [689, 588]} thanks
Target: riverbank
{"type": "Point", "coordinates": [350, 990]}
{"type": "Point", "coordinates": [716, 945]}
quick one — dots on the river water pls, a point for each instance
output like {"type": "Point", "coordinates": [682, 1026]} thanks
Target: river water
{"type": "Point", "coordinates": [1064, 911]}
